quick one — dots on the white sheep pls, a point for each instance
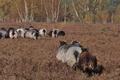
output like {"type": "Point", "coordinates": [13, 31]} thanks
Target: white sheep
{"type": "Point", "coordinates": [55, 33]}
{"type": "Point", "coordinates": [12, 33]}
{"type": "Point", "coordinates": [72, 54]}
{"type": "Point", "coordinates": [32, 34]}
{"type": "Point", "coordinates": [4, 33]}
{"type": "Point", "coordinates": [43, 32]}
{"type": "Point", "coordinates": [61, 53]}
{"type": "Point", "coordinates": [21, 31]}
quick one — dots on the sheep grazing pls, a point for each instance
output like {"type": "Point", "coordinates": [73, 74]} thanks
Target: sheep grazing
{"type": "Point", "coordinates": [72, 54]}
{"type": "Point", "coordinates": [32, 34]}
{"type": "Point", "coordinates": [12, 33]}
{"type": "Point", "coordinates": [3, 33]}
{"type": "Point", "coordinates": [43, 32]}
{"type": "Point", "coordinates": [31, 28]}
{"type": "Point", "coordinates": [87, 62]}
{"type": "Point", "coordinates": [61, 53]}
{"type": "Point", "coordinates": [21, 31]}
{"type": "Point", "coordinates": [56, 32]}
{"type": "Point", "coordinates": [61, 33]}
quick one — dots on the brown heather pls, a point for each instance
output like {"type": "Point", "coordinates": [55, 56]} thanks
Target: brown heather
{"type": "Point", "coordinates": [27, 59]}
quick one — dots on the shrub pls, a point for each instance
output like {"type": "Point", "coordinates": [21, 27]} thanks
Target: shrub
{"type": "Point", "coordinates": [102, 29]}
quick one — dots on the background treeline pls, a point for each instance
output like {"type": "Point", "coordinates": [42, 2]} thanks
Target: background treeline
{"type": "Point", "coordinates": [84, 11]}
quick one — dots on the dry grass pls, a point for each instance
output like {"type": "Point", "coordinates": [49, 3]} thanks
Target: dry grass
{"type": "Point", "coordinates": [27, 59]}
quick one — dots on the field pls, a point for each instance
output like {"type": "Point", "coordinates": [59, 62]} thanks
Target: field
{"type": "Point", "coordinates": [28, 59]}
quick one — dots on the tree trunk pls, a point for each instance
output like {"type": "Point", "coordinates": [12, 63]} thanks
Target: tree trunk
{"type": "Point", "coordinates": [41, 10]}
{"type": "Point", "coordinates": [47, 18]}
{"type": "Point", "coordinates": [112, 21]}
{"type": "Point", "coordinates": [52, 11]}
{"type": "Point", "coordinates": [57, 12]}
{"type": "Point", "coordinates": [65, 13]}
{"type": "Point", "coordinates": [26, 11]}
{"type": "Point", "coordinates": [20, 15]}
{"type": "Point", "coordinates": [32, 13]}
{"type": "Point", "coordinates": [76, 11]}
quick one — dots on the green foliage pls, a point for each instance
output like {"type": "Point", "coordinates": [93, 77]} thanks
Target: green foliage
{"type": "Point", "coordinates": [103, 29]}
{"type": "Point", "coordinates": [89, 18]}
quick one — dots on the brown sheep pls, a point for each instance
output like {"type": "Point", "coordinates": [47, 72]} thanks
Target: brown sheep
{"type": "Point", "coordinates": [87, 62]}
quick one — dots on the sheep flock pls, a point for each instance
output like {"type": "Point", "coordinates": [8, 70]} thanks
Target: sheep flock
{"type": "Point", "coordinates": [74, 54]}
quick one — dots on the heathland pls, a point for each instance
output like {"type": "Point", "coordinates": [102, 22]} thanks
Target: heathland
{"type": "Point", "coordinates": [28, 59]}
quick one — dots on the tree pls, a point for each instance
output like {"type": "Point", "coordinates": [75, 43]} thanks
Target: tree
{"type": "Point", "coordinates": [98, 17]}
{"type": "Point", "coordinates": [4, 9]}
{"type": "Point", "coordinates": [105, 16]}
{"type": "Point", "coordinates": [111, 7]}
{"type": "Point", "coordinates": [89, 18]}
{"type": "Point", "coordinates": [117, 15]}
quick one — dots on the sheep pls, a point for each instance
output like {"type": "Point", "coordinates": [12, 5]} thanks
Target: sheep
{"type": "Point", "coordinates": [31, 28]}
{"type": "Point", "coordinates": [55, 33]}
{"type": "Point", "coordinates": [72, 54]}
{"type": "Point", "coordinates": [21, 31]}
{"type": "Point", "coordinates": [43, 32]}
{"type": "Point", "coordinates": [61, 33]}
{"type": "Point", "coordinates": [61, 53]}
{"type": "Point", "coordinates": [32, 34]}
{"type": "Point", "coordinates": [12, 33]}
{"type": "Point", "coordinates": [4, 33]}
{"type": "Point", "coordinates": [87, 62]}
{"type": "Point", "coordinates": [1, 35]}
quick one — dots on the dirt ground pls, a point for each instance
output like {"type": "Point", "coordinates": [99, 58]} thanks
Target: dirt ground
{"type": "Point", "coordinates": [28, 59]}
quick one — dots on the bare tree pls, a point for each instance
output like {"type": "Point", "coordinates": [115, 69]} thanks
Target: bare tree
{"type": "Point", "coordinates": [26, 11]}
{"type": "Point", "coordinates": [76, 11]}
{"type": "Point", "coordinates": [46, 11]}
{"type": "Point", "coordinates": [57, 12]}
{"type": "Point", "coordinates": [20, 15]}
{"type": "Point", "coordinates": [32, 12]}
{"type": "Point", "coordinates": [65, 12]}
